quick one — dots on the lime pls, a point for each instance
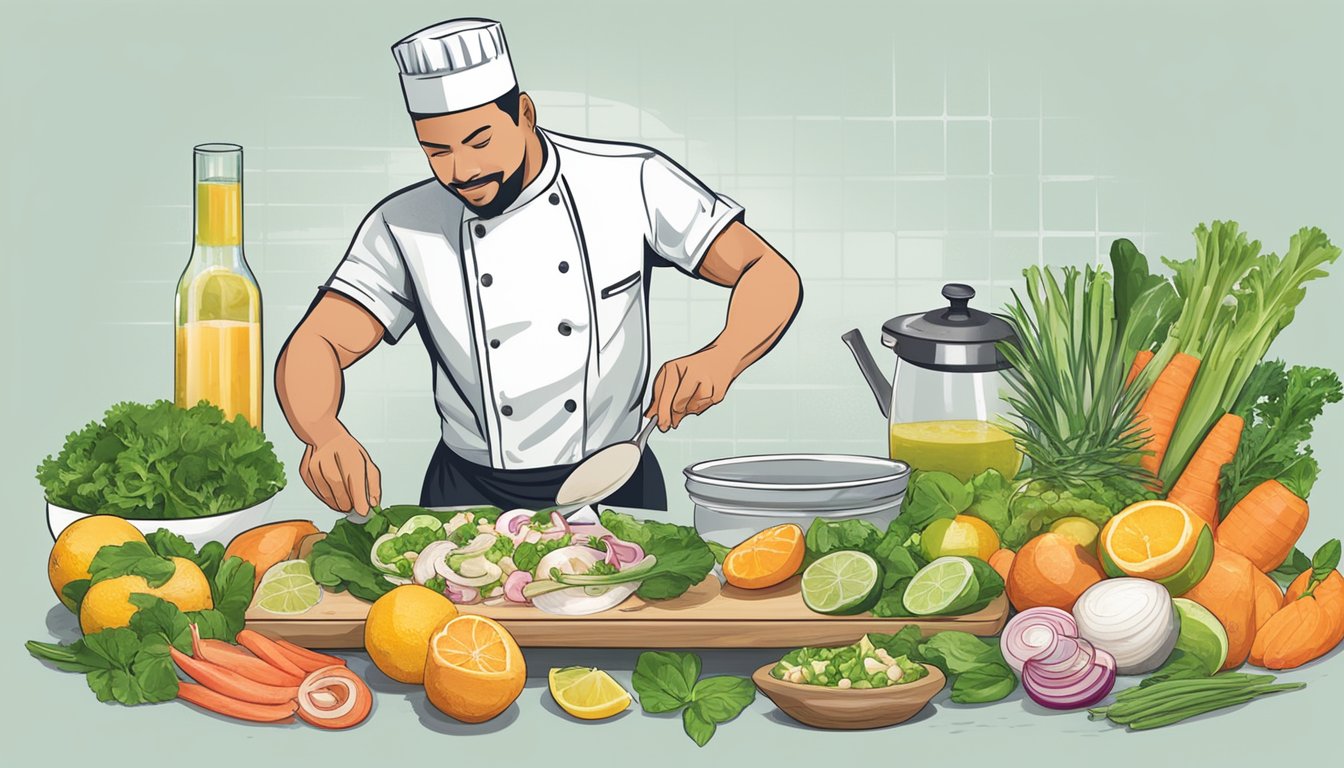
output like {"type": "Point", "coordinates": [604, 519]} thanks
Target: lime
{"type": "Point", "coordinates": [1202, 635]}
{"type": "Point", "coordinates": [587, 693]}
{"type": "Point", "coordinates": [943, 586]}
{"type": "Point", "coordinates": [1079, 530]}
{"type": "Point", "coordinates": [842, 583]}
{"type": "Point", "coordinates": [288, 587]}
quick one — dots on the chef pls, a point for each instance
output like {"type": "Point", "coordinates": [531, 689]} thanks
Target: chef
{"type": "Point", "coordinates": [525, 264]}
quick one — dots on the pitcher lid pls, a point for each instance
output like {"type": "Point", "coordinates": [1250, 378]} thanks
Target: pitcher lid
{"type": "Point", "coordinates": [956, 338]}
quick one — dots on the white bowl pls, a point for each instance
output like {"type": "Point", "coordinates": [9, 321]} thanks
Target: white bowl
{"type": "Point", "coordinates": [197, 530]}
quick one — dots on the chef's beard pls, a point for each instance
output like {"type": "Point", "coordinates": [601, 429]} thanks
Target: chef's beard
{"type": "Point", "coordinates": [509, 190]}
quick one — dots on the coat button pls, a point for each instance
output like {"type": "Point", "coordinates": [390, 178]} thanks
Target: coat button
{"type": "Point", "coordinates": [480, 230]}
{"type": "Point", "coordinates": [564, 267]}
{"type": "Point", "coordinates": [554, 198]}
{"type": "Point", "coordinates": [494, 343]}
{"type": "Point", "coordinates": [565, 329]}
{"type": "Point", "coordinates": [571, 406]}
{"type": "Point", "coordinates": [486, 279]}
{"type": "Point", "coordinates": [507, 410]}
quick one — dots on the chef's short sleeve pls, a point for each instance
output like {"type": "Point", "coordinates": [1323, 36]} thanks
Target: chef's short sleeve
{"type": "Point", "coordinates": [684, 215]}
{"type": "Point", "coordinates": [373, 274]}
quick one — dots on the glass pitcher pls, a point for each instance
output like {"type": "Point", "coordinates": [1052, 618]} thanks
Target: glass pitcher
{"type": "Point", "coordinates": [942, 407]}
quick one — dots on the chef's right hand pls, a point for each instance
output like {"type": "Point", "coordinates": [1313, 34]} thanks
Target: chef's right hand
{"type": "Point", "coordinates": [339, 472]}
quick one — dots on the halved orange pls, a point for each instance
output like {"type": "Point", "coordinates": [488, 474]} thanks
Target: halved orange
{"type": "Point", "coordinates": [766, 559]}
{"type": "Point", "coordinates": [474, 669]}
{"type": "Point", "coordinates": [1150, 539]}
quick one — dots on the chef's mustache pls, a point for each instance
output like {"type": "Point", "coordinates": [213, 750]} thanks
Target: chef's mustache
{"type": "Point", "coordinates": [480, 181]}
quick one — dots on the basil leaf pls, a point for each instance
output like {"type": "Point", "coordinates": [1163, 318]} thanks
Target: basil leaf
{"type": "Point", "coordinates": [1295, 565]}
{"type": "Point", "coordinates": [723, 697]}
{"type": "Point", "coordinates": [1325, 560]}
{"type": "Point", "coordinates": [664, 679]}
{"type": "Point", "coordinates": [699, 727]}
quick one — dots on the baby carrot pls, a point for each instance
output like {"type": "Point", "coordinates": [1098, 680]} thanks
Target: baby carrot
{"type": "Point", "coordinates": [306, 659]}
{"type": "Point", "coordinates": [268, 651]}
{"type": "Point", "coordinates": [243, 710]}
{"type": "Point", "coordinates": [1162, 406]}
{"type": "Point", "coordinates": [238, 660]}
{"type": "Point", "coordinates": [230, 683]}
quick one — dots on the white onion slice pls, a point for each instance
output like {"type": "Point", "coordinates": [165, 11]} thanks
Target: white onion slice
{"type": "Point", "coordinates": [1132, 619]}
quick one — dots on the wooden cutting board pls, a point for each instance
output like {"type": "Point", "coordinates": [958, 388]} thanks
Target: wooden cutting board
{"type": "Point", "coordinates": [707, 616]}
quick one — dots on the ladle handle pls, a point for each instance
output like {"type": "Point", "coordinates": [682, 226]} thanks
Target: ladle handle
{"type": "Point", "coordinates": [644, 433]}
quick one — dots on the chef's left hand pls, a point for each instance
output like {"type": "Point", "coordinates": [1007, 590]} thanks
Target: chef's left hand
{"type": "Point", "coordinates": [690, 385]}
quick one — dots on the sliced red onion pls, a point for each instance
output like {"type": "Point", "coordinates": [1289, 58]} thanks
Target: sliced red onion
{"type": "Point", "coordinates": [461, 595]}
{"type": "Point", "coordinates": [558, 521]}
{"type": "Point", "coordinates": [1083, 688]}
{"type": "Point", "coordinates": [513, 521]}
{"type": "Point", "coordinates": [513, 586]}
{"type": "Point", "coordinates": [621, 553]}
{"type": "Point", "coordinates": [1069, 657]}
{"type": "Point", "coordinates": [1035, 632]}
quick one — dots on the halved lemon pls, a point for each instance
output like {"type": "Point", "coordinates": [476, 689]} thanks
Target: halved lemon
{"type": "Point", "coordinates": [1157, 540]}
{"type": "Point", "coordinates": [474, 669]}
{"type": "Point", "coordinates": [587, 693]}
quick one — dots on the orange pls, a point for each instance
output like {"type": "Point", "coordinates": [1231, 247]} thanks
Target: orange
{"type": "Point", "coordinates": [398, 629]}
{"type": "Point", "coordinates": [79, 542]}
{"type": "Point", "coordinates": [1002, 561]}
{"type": "Point", "coordinates": [1228, 591]}
{"type": "Point", "coordinates": [474, 669]}
{"type": "Point", "coordinates": [1150, 539]}
{"type": "Point", "coordinates": [108, 603]}
{"type": "Point", "coordinates": [1051, 570]}
{"type": "Point", "coordinates": [765, 559]}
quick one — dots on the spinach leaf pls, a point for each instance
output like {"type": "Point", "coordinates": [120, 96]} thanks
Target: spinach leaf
{"type": "Point", "coordinates": [934, 496]}
{"type": "Point", "coordinates": [903, 643]}
{"type": "Point", "coordinates": [134, 558]}
{"type": "Point", "coordinates": [74, 593]}
{"type": "Point", "coordinates": [723, 697]}
{"type": "Point", "coordinates": [683, 559]}
{"type": "Point", "coordinates": [983, 683]}
{"type": "Point", "coordinates": [990, 494]}
{"type": "Point", "coordinates": [165, 543]}
{"type": "Point", "coordinates": [826, 536]}
{"type": "Point", "coordinates": [341, 559]}
{"type": "Point", "coordinates": [231, 590]}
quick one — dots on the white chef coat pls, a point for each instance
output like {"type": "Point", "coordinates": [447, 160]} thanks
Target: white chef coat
{"type": "Point", "coordinates": [536, 319]}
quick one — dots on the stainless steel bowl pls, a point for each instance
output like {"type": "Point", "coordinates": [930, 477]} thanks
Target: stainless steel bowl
{"type": "Point", "coordinates": [739, 496]}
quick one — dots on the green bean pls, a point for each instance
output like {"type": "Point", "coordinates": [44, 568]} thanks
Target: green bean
{"type": "Point", "coordinates": [1185, 702]}
{"type": "Point", "coordinates": [1159, 720]}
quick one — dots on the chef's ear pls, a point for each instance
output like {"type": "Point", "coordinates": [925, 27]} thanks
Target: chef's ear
{"type": "Point", "coordinates": [527, 111]}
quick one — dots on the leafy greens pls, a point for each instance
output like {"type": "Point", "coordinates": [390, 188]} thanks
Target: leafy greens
{"type": "Point", "coordinates": [161, 462]}
{"type": "Point", "coordinates": [667, 681]}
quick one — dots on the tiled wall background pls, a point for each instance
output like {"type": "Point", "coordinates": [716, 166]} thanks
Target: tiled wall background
{"type": "Point", "coordinates": [883, 147]}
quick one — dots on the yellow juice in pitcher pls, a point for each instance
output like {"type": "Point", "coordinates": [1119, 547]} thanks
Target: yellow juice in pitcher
{"type": "Point", "coordinates": [961, 447]}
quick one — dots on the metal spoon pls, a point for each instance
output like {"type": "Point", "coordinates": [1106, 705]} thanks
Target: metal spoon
{"type": "Point", "coordinates": [603, 473]}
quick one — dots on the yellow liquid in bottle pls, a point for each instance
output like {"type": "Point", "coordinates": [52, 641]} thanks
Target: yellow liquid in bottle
{"type": "Point", "coordinates": [961, 447]}
{"type": "Point", "coordinates": [218, 346]}
{"type": "Point", "coordinates": [219, 216]}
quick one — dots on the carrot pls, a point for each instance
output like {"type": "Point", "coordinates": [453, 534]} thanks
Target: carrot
{"type": "Point", "coordinates": [1198, 486]}
{"type": "Point", "coordinates": [1330, 593]}
{"type": "Point", "coordinates": [268, 651]}
{"type": "Point", "coordinates": [306, 659]}
{"type": "Point", "coordinates": [243, 710]}
{"type": "Point", "coordinates": [1141, 361]}
{"type": "Point", "coordinates": [1162, 406]}
{"type": "Point", "coordinates": [1294, 635]}
{"type": "Point", "coordinates": [1268, 598]}
{"type": "Point", "coordinates": [1264, 526]}
{"type": "Point", "coordinates": [240, 661]}
{"type": "Point", "coordinates": [232, 684]}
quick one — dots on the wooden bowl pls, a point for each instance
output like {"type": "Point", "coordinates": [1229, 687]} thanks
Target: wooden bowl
{"type": "Point", "coordinates": [850, 709]}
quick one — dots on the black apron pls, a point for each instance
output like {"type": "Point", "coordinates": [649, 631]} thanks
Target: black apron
{"type": "Point", "coordinates": [452, 481]}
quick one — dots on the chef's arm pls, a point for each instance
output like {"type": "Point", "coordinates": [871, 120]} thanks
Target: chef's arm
{"type": "Point", "coordinates": [309, 382]}
{"type": "Point", "coordinates": [765, 298]}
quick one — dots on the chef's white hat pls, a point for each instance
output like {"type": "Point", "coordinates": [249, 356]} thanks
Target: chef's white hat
{"type": "Point", "coordinates": [454, 65]}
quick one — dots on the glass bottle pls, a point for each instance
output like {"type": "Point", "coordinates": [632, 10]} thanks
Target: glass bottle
{"type": "Point", "coordinates": [218, 347]}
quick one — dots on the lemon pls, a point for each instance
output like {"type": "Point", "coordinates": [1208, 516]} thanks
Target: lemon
{"type": "Point", "coordinates": [587, 693]}
{"type": "Point", "coordinates": [79, 542]}
{"type": "Point", "coordinates": [962, 536]}
{"type": "Point", "coordinates": [108, 602]}
{"type": "Point", "coordinates": [288, 587]}
{"type": "Point", "coordinates": [1079, 530]}
{"type": "Point", "coordinates": [398, 628]}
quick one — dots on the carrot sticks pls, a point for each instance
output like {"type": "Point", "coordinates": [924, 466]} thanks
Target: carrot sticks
{"type": "Point", "coordinates": [238, 660]}
{"type": "Point", "coordinates": [268, 651]}
{"type": "Point", "coordinates": [1198, 486]}
{"type": "Point", "coordinates": [230, 683]}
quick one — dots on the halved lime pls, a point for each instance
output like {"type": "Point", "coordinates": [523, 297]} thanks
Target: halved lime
{"type": "Point", "coordinates": [943, 586]}
{"type": "Point", "coordinates": [842, 583]}
{"type": "Point", "coordinates": [288, 588]}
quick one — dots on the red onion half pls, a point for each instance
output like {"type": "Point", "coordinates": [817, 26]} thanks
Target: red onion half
{"type": "Point", "coordinates": [1033, 633]}
{"type": "Point", "coordinates": [1077, 675]}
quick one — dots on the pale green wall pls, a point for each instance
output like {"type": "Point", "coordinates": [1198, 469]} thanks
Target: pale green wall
{"type": "Point", "coordinates": [884, 147]}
